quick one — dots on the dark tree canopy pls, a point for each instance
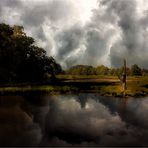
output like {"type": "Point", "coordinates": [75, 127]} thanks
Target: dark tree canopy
{"type": "Point", "coordinates": [20, 59]}
{"type": "Point", "coordinates": [136, 70]}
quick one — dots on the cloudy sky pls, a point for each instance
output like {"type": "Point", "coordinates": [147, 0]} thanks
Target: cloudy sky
{"type": "Point", "coordinates": [89, 32]}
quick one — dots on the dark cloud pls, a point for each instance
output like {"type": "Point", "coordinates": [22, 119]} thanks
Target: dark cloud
{"type": "Point", "coordinates": [11, 3]}
{"type": "Point", "coordinates": [132, 44]}
{"type": "Point", "coordinates": [115, 30]}
{"type": "Point", "coordinates": [95, 43]}
{"type": "Point", "coordinates": [38, 33]}
{"type": "Point", "coordinates": [52, 11]}
{"type": "Point", "coordinates": [82, 44]}
{"type": "Point", "coordinates": [69, 40]}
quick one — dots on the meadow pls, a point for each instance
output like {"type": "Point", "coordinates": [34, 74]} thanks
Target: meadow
{"type": "Point", "coordinates": [103, 85]}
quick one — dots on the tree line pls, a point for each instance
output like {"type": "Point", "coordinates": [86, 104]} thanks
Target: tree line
{"type": "Point", "coordinates": [134, 70]}
{"type": "Point", "coordinates": [21, 60]}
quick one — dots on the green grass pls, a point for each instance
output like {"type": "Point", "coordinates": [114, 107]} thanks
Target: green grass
{"type": "Point", "coordinates": [42, 88]}
{"type": "Point", "coordinates": [104, 85]}
{"type": "Point", "coordinates": [136, 86]}
{"type": "Point", "coordinates": [84, 77]}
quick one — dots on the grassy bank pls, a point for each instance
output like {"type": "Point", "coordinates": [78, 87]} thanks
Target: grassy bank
{"type": "Point", "coordinates": [109, 85]}
{"type": "Point", "coordinates": [42, 88]}
{"type": "Point", "coordinates": [103, 85]}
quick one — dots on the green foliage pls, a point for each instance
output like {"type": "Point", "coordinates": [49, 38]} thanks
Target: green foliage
{"type": "Point", "coordinates": [100, 70]}
{"type": "Point", "coordinates": [81, 70]}
{"type": "Point", "coordinates": [20, 59]}
{"type": "Point", "coordinates": [103, 70]}
{"type": "Point", "coordinates": [135, 70]}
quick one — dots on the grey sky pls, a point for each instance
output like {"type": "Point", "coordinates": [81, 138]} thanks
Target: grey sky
{"type": "Point", "coordinates": [89, 32]}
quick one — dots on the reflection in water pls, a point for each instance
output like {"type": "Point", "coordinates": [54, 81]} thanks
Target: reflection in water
{"type": "Point", "coordinates": [73, 120]}
{"type": "Point", "coordinates": [16, 126]}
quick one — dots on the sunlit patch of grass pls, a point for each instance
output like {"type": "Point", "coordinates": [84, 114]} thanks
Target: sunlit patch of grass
{"type": "Point", "coordinates": [137, 86]}
{"type": "Point", "coordinates": [85, 77]}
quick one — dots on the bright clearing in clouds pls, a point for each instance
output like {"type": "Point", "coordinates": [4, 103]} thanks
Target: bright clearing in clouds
{"type": "Point", "coordinates": [91, 32]}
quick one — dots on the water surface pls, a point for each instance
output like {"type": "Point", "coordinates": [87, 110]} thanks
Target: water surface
{"type": "Point", "coordinates": [73, 120]}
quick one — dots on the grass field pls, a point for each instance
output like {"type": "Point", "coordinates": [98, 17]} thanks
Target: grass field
{"type": "Point", "coordinates": [104, 85]}
{"type": "Point", "coordinates": [110, 85]}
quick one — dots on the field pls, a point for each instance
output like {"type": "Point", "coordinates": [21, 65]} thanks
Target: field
{"type": "Point", "coordinates": [103, 85]}
{"type": "Point", "coordinates": [110, 85]}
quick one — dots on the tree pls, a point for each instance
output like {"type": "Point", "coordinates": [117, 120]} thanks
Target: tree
{"type": "Point", "coordinates": [20, 59]}
{"type": "Point", "coordinates": [102, 70]}
{"type": "Point", "coordinates": [18, 31]}
{"type": "Point", "coordinates": [51, 67]}
{"type": "Point", "coordinates": [6, 52]}
{"type": "Point", "coordinates": [122, 76]}
{"type": "Point", "coordinates": [144, 72]}
{"type": "Point", "coordinates": [135, 70]}
{"type": "Point", "coordinates": [81, 70]}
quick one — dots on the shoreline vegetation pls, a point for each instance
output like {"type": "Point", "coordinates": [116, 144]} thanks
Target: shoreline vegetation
{"type": "Point", "coordinates": [103, 85]}
{"type": "Point", "coordinates": [25, 67]}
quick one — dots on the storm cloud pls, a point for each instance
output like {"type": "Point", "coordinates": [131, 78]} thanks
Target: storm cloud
{"type": "Point", "coordinates": [89, 32]}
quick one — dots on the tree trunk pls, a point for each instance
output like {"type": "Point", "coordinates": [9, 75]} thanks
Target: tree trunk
{"type": "Point", "coordinates": [123, 78]}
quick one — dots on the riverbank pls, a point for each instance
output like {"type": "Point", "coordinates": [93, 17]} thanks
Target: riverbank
{"type": "Point", "coordinates": [137, 86]}
{"type": "Point", "coordinates": [103, 85]}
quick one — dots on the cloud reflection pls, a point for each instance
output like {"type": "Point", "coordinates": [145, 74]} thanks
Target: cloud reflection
{"type": "Point", "coordinates": [73, 120]}
{"type": "Point", "coordinates": [89, 124]}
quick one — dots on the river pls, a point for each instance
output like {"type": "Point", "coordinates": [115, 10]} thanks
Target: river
{"type": "Point", "coordinates": [73, 120]}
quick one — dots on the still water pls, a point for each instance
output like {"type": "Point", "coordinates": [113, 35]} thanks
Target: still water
{"type": "Point", "coordinates": [73, 120]}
